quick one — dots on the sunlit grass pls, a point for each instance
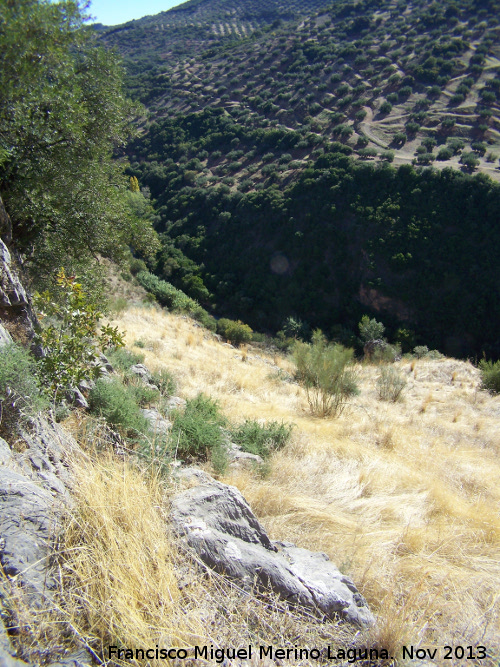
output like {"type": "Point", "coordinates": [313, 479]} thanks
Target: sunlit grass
{"type": "Point", "coordinates": [404, 496]}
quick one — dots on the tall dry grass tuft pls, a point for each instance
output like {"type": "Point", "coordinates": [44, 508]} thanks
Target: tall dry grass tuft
{"type": "Point", "coordinates": [122, 585]}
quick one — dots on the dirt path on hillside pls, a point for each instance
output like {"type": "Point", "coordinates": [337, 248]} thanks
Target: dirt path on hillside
{"type": "Point", "coordinates": [367, 128]}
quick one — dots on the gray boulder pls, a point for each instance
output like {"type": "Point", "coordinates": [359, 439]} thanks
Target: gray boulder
{"type": "Point", "coordinates": [5, 337]}
{"type": "Point", "coordinates": [28, 526]}
{"type": "Point", "coordinates": [34, 492]}
{"type": "Point", "coordinates": [5, 224]}
{"type": "Point", "coordinates": [15, 303]}
{"type": "Point", "coordinates": [239, 459]}
{"type": "Point", "coordinates": [158, 423]}
{"type": "Point", "coordinates": [175, 403]}
{"type": "Point", "coordinates": [76, 398]}
{"type": "Point", "coordinates": [45, 457]}
{"type": "Point", "coordinates": [220, 527]}
{"type": "Point", "coordinates": [141, 371]}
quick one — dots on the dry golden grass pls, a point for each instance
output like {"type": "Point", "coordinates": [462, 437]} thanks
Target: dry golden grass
{"type": "Point", "coordinates": [120, 562]}
{"type": "Point", "coordinates": [125, 581]}
{"type": "Point", "coordinates": [404, 497]}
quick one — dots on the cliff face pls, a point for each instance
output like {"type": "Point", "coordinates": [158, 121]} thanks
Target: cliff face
{"type": "Point", "coordinates": [17, 317]}
{"type": "Point", "coordinates": [5, 224]}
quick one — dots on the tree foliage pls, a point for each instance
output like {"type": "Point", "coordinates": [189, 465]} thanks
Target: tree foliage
{"type": "Point", "coordinates": [62, 116]}
{"type": "Point", "coordinates": [70, 336]}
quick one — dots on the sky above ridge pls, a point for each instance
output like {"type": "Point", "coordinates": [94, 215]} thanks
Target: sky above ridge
{"type": "Point", "coordinates": [114, 12]}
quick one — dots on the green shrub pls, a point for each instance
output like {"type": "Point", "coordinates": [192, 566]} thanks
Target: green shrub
{"type": "Point", "coordinates": [490, 376]}
{"type": "Point", "coordinates": [116, 403]}
{"type": "Point", "coordinates": [137, 265]}
{"type": "Point", "coordinates": [434, 355]}
{"type": "Point", "coordinates": [386, 354]}
{"type": "Point", "coordinates": [165, 293]}
{"type": "Point", "coordinates": [262, 439]}
{"type": "Point", "coordinates": [20, 393]}
{"type": "Point", "coordinates": [445, 154]}
{"type": "Point", "coordinates": [367, 153]}
{"type": "Point", "coordinates": [234, 331]}
{"type": "Point", "coordinates": [205, 319]}
{"type": "Point", "coordinates": [197, 432]}
{"type": "Point", "coordinates": [370, 329]}
{"type": "Point", "coordinates": [390, 384]}
{"type": "Point", "coordinates": [469, 160]}
{"type": "Point", "coordinates": [165, 382]}
{"type": "Point", "coordinates": [325, 371]}
{"type": "Point", "coordinates": [69, 335]}
{"type": "Point", "coordinates": [143, 395]}
{"type": "Point", "coordinates": [400, 138]}
{"type": "Point", "coordinates": [420, 351]}
{"type": "Point", "coordinates": [123, 360]}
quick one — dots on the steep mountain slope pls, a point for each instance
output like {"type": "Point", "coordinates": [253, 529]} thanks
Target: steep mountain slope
{"type": "Point", "coordinates": [195, 26]}
{"type": "Point", "coordinates": [267, 160]}
{"type": "Point", "coordinates": [366, 71]}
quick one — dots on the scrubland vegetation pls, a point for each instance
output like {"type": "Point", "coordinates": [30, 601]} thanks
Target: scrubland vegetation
{"type": "Point", "coordinates": [258, 204]}
{"type": "Point", "coordinates": [401, 495]}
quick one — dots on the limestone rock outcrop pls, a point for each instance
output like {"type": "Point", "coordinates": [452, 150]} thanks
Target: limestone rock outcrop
{"type": "Point", "coordinates": [218, 524]}
{"type": "Point", "coordinates": [16, 310]}
{"type": "Point", "coordinates": [35, 487]}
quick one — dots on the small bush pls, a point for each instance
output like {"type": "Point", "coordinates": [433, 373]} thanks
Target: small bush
{"type": "Point", "coordinates": [205, 319]}
{"type": "Point", "coordinates": [235, 332]}
{"type": "Point", "coordinates": [445, 154]}
{"type": "Point", "coordinates": [434, 355]}
{"type": "Point", "coordinates": [325, 371]}
{"type": "Point", "coordinates": [143, 395]}
{"type": "Point", "coordinates": [165, 382]}
{"type": "Point", "coordinates": [20, 393]}
{"type": "Point", "coordinates": [367, 153]}
{"type": "Point", "coordinates": [420, 351]}
{"type": "Point", "coordinates": [197, 432]}
{"type": "Point", "coordinates": [70, 335]}
{"type": "Point", "coordinates": [387, 156]}
{"type": "Point", "coordinates": [116, 403]}
{"type": "Point", "coordinates": [137, 265]}
{"type": "Point", "coordinates": [262, 439]}
{"type": "Point", "coordinates": [386, 354]}
{"type": "Point", "coordinates": [123, 360]}
{"type": "Point", "coordinates": [370, 329]}
{"type": "Point", "coordinates": [490, 376]}
{"type": "Point", "coordinates": [390, 384]}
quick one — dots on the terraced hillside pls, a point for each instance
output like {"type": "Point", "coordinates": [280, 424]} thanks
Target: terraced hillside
{"type": "Point", "coordinates": [421, 80]}
{"type": "Point", "coordinates": [197, 25]}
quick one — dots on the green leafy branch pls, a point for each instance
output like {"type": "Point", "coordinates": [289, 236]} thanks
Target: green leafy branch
{"type": "Point", "coordinates": [69, 335]}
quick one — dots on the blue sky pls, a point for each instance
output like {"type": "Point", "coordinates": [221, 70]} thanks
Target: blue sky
{"type": "Point", "coordinates": [113, 12]}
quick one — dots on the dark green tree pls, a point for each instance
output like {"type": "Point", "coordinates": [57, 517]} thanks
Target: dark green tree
{"type": "Point", "coordinates": [63, 115]}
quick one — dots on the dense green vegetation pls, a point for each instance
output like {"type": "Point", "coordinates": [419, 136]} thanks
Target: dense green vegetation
{"type": "Point", "coordinates": [391, 76]}
{"type": "Point", "coordinates": [63, 116]}
{"type": "Point", "coordinates": [417, 246]}
{"type": "Point", "coordinates": [250, 157]}
{"type": "Point", "coordinates": [267, 159]}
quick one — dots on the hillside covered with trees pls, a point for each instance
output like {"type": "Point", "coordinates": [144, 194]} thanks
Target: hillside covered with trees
{"type": "Point", "coordinates": [290, 164]}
